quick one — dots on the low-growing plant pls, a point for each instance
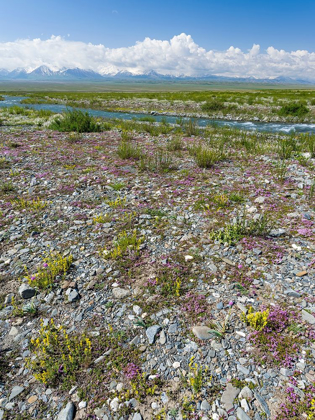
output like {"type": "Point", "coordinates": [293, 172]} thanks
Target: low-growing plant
{"type": "Point", "coordinates": [7, 187]}
{"type": "Point", "coordinates": [206, 157]}
{"type": "Point", "coordinates": [101, 218]}
{"type": "Point", "coordinates": [175, 144]}
{"type": "Point", "coordinates": [35, 204]}
{"type": "Point", "coordinates": [119, 202]}
{"type": "Point", "coordinates": [125, 242]}
{"type": "Point", "coordinates": [233, 232]}
{"type": "Point", "coordinates": [58, 357]}
{"type": "Point", "coordinates": [54, 265]}
{"type": "Point", "coordinates": [128, 150]}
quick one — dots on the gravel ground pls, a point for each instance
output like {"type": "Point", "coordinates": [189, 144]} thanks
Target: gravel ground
{"type": "Point", "coordinates": [156, 314]}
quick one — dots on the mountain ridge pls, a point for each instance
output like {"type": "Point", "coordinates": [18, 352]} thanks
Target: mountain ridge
{"type": "Point", "coordinates": [44, 73]}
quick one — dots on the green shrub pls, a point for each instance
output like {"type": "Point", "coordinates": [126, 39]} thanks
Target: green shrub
{"type": "Point", "coordinates": [128, 150]}
{"type": "Point", "coordinates": [295, 109]}
{"type": "Point", "coordinates": [213, 106]}
{"type": "Point", "coordinates": [206, 157]}
{"type": "Point", "coordinates": [75, 120]}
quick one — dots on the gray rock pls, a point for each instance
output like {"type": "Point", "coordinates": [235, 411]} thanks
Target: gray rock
{"type": "Point", "coordinates": [205, 405]}
{"type": "Point", "coordinates": [16, 390]}
{"type": "Point", "coordinates": [172, 329]}
{"type": "Point", "coordinates": [120, 293]}
{"type": "Point", "coordinates": [1, 414]}
{"type": "Point", "coordinates": [151, 332]}
{"type": "Point", "coordinates": [286, 372]}
{"type": "Point", "coordinates": [220, 305]}
{"type": "Point", "coordinates": [202, 332]}
{"type": "Point", "coordinates": [228, 396]}
{"type": "Point", "coordinates": [242, 415]}
{"type": "Point", "coordinates": [243, 369]}
{"type": "Point", "coordinates": [67, 413]}
{"type": "Point", "coordinates": [263, 404]}
{"type": "Point", "coordinates": [306, 316]}
{"type": "Point", "coordinates": [162, 337]}
{"type": "Point", "coordinates": [73, 295]}
{"type": "Point", "coordinates": [137, 416]}
{"type": "Point", "coordinates": [246, 393]}
{"type": "Point", "coordinates": [26, 291]}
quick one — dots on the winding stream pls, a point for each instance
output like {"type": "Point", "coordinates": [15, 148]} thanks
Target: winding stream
{"type": "Point", "coordinates": [202, 122]}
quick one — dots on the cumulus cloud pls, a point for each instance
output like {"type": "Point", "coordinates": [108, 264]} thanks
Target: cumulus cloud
{"type": "Point", "coordinates": [178, 56]}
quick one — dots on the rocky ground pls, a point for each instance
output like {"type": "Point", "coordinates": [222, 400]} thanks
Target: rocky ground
{"type": "Point", "coordinates": [152, 287]}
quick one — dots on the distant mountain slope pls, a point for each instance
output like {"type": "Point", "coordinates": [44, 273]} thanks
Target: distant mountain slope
{"type": "Point", "coordinates": [44, 73]}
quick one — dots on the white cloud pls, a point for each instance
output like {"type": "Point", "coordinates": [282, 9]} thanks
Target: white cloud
{"type": "Point", "coordinates": [178, 56]}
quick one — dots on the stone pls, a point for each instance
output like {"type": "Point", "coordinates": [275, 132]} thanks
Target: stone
{"type": "Point", "coordinates": [13, 331]}
{"type": "Point", "coordinates": [202, 332]}
{"type": "Point", "coordinates": [32, 399]}
{"type": "Point", "coordinates": [151, 333]}
{"type": "Point", "coordinates": [16, 390]}
{"type": "Point", "coordinates": [306, 316]}
{"type": "Point", "coordinates": [301, 273]}
{"type": "Point", "coordinates": [286, 372]}
{"type": "Point", "coordinates": [205, 406]}
{"type": "Point", "coordinates": [246, 393]}
{"type": "Point", "coordinates": [73, 295]}
{"type": "Point", "coordinates": [26, 291]}
{"type": "Point", "coordinates": [82, 404]}
{"type": "Point", "coordinates": [244, 405]}
{"type": "Point", "coordinates": [243, 369]}
{"type": "Point", "coordinates": [228, 396]}
{"type": "Point", "coordinates": [227, 261]}
{"type": "Point", "coordinates": [137, 416]}
{"type": "Point", "coordinates": [259, 200]}
{"type": "Point", "coordinates": [162, 337]}
{"type": "Point", "coordinates": [68, 412]}
{"type": "Point", "coordinates": [263, 404]}
{"type": "Point", "coordinates": [241, 414]}
{"type": "Point", "coordinates": [120, 293]}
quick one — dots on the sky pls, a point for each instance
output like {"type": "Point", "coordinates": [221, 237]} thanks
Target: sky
{"type": "Point", "coordinates": [172, 37]}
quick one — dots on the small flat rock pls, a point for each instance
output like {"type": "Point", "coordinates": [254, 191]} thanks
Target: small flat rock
{"type": "Point", "coordinates": [26, 291]}
{"type": "Point", "coordinates": [151, 333]}
{"type": "Point", "coordinates": [32, 399]}
{"type": "Point", "coordinates": [13, 331]}
{"type": "Point", "coordinates": [202, 332]}
{"type": "Point", "coordinates": [301, 273]}
{"type": "Point", "coordinates": [243, 369]}
{"type": "Point", "coordinates": [246, 393]}
{"type": "Point", "coordinates": [1, 414]}
{"type": "Point", "coordinates": [286, 372]}
{"type": "Point", "coordinates": [260, 200]}
{"type": "Point", "coordinates": [162, 337]}
{"type": "Point", "coordinates": [241, 414]}
{"type": "Point", "coordinates": [242, 307]}
{"type": "Point", "coordinates": [306, 316]}
{"type": "Point", "coordinates": [137, 416]}
{"type": "Point", "coordinates": [263, 404]}
{"type": "Point", "coordinates": [120, 293]}
{"type": "Point", "coordinates": [205, 405]}
{"type": "Point", "coordinates": [227, 261]}
{"type": "Point", "coordinates": [228, 396]}
{"type": "Point", "coordinates": [73, 296]}
{"type": "Point", "coordinates": [68, 412]}
{"type": "Point", "coordinates": [16, 390]}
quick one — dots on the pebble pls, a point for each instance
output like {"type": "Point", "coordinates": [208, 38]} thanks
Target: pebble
{"type": "Point", "coordinates": [151, 333]}
{"type": "Point", "coordinates": [68, 412]}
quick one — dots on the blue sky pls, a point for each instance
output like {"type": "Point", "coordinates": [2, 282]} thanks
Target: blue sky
{"type": "Point", "coordinates": [238, 38]}
{"type": "Point", "coordinates": [120, 23]}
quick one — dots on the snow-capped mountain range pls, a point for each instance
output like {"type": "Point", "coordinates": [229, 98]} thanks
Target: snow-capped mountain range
{"type": "Point", "coordinates": [44, 73]}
